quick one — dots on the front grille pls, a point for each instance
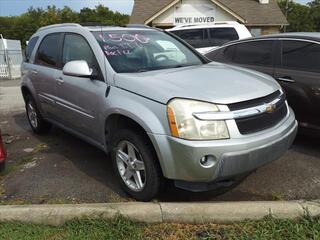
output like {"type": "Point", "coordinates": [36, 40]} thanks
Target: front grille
{"type": "Point", "coordinates": [262, 121]}
{"type": "Point", "coordinates": [254, 102]}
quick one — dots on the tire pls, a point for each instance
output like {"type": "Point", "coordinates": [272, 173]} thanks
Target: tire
{"type": "Point", "coordinates": [151, 177]}
{"type": "Point", "coordinates": [36, 121]}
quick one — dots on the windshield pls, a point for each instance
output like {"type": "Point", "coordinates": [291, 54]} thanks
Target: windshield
{"type": "Point", "coordinates": [144, 50]}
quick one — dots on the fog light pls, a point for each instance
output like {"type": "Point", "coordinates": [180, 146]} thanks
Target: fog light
{"type": "Point", "coordinates": [208, 161]}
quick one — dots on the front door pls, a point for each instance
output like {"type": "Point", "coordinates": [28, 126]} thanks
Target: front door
{"type": "Point", "coordinates": [256, 55]}
{"type": "Point", "coordinates": [299, 75]}
{"type": "Point", "coordinates": [80, 98]}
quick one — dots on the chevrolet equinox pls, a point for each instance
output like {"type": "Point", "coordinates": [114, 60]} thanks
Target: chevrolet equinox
{"type": "Point", "coordinates": [158, 107]}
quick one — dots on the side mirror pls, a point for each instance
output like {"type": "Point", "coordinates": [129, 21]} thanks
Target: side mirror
{"type": "Point", "coordinates": [78, 68]}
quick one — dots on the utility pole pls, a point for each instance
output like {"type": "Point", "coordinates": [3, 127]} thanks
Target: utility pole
{"type": "Point", "coordinates": [286, 14]}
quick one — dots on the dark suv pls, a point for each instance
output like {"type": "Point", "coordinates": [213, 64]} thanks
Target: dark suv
{"type": "Point", "coordinates": [293, 59]}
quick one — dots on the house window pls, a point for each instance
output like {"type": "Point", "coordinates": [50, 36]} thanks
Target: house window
{"type": "Point", "coordinates": [256, 32]}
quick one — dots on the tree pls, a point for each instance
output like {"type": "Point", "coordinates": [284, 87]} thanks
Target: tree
{"type": "Point", "coordinates": [68, 16]}
{"type": "Point", "coordinates": [298, 15]}
{"type": "Point", "coordinates": [315, 13]}
{"type": "Point", "coordinates": [23, 26]}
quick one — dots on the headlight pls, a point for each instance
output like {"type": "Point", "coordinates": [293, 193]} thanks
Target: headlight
{"type": "Point", "coordinates": [184, 125]}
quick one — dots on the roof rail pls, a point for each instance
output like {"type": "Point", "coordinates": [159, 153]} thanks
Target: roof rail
{"type": "Point", "coordinates": [136, 26]}
{"type": "Point", "coordinates": [94, 24]}
{"type": "Point", "coordinates": [59, 25]}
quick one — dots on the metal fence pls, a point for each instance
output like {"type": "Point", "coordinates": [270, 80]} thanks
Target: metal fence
{"type": "Point", "coordinates": [10, 58]}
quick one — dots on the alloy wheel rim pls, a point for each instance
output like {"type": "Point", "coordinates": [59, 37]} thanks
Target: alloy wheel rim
{"type": "Point", "coordinates": [32, 115]}
{"type": "Point", "coordinates": [131, 166]}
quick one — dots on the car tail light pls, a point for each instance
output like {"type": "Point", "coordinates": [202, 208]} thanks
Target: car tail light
{"type": "Point", "coordinates": [2, 152]}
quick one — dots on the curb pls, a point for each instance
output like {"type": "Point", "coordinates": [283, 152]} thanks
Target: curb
{"type": "Point", "coordinates": [220, 212]}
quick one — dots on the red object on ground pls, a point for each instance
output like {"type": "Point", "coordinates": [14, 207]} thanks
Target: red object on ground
{"type": "Point", "coordinates": [2, 151]}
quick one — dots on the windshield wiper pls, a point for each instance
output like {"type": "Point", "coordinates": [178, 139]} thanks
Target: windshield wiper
{"type": "Point", "coordinates": [163, 67]}
{"type": "Point", "coordinates": [142, 70]}
{"type": "Point", "coordinates": [181, 65]}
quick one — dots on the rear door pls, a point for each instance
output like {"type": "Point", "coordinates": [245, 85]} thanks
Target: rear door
{"type": "Point", "coordinates": [299, 75]}
{"type": "Point", "coordinates": [43, 73]}
{"type": "Point", "coordinates": [79, 98]}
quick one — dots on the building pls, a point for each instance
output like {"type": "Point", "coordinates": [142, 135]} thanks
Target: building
{"type": "Point", "coordinates": [260, 16]}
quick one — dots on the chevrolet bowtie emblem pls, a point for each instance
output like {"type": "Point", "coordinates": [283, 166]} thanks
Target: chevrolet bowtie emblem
{"type": "Point", "coordinates": [270, 108]}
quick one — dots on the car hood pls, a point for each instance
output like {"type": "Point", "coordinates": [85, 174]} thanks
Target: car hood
{"type": "Point", "coordinates": [213, 82]}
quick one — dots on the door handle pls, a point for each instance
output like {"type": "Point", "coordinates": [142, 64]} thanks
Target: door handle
{"type": "Point", "coordinates": [286, 79]}
{"type": "Point", "coordinates": [33, 71]}
{"type": "Point", "coordinates": [60, 81]}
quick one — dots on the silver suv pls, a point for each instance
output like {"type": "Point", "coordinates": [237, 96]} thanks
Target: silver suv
{"type": "Point", "coordinates": [156, 105]}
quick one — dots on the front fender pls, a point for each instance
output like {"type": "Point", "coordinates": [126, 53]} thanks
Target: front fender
{"type": "Point", "coordinates": [149, 114]}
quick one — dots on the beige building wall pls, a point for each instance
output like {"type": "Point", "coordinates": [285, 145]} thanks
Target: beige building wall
{"type": "Point", "coordinates": [264, 30]}
{"type": "Point", "coordinates": [167, 18]}
{"type": "Point", "coordinates": [270, 30]}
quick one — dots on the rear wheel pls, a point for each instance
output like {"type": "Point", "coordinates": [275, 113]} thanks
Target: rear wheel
{"type": "Point", "coordinates": [136, 165]}
{"type": "Point", "coordinates": [37, 123]}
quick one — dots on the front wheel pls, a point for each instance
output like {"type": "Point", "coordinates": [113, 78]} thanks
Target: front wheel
{"type": "Point", "coordinates": [136, 165]}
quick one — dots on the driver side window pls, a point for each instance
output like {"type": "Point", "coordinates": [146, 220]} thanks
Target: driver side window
{"type": "Point", "coordinates": [75, 47]}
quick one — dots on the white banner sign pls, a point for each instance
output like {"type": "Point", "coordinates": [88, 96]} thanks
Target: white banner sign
{"type": "Point", "coordinates": [194, 14]}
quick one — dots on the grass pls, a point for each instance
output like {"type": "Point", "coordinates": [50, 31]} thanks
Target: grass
{"type": "Point", "coordinates": [121, 228]}
{"type": "Point", "coordinates": [16, 165]}
{"type": "Point", "coordinates": [39, 148]}
{"type": "Point", "coordinates": [276, 196]}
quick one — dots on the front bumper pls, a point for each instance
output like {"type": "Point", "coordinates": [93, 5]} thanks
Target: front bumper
{"type": "Point", "coordinates": [180, 159]}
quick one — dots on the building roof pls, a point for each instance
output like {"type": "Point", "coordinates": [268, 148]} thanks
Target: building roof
{"type": "Point", "coordinates": [251, 11]}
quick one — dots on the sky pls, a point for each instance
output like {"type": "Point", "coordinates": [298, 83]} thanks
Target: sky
{"type": "Point", "coordinates": [16, 7]}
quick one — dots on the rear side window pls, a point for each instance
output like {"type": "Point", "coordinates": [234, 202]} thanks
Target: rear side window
{"type": "Point", "coordinates": [197, 38]}
{"type": "Point", "coordinates": [301, 55]}
{"type": "Point", "coordinates": [48, 51]}
{"type": "Point", "coordinates": [30, 47]}
{"type": "Point", "coordinates": [254, 53]}
{"type": "Point", "coordinates": [219, 36]}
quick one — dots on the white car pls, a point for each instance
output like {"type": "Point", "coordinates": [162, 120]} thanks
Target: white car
{"type": "Point", "coordinates": [205, 38]}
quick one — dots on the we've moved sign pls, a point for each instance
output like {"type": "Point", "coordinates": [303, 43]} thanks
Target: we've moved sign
{"type": "Point", "coordinates": [193, 20]}
{"type": "Point", "coordinates": [194, 14]}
